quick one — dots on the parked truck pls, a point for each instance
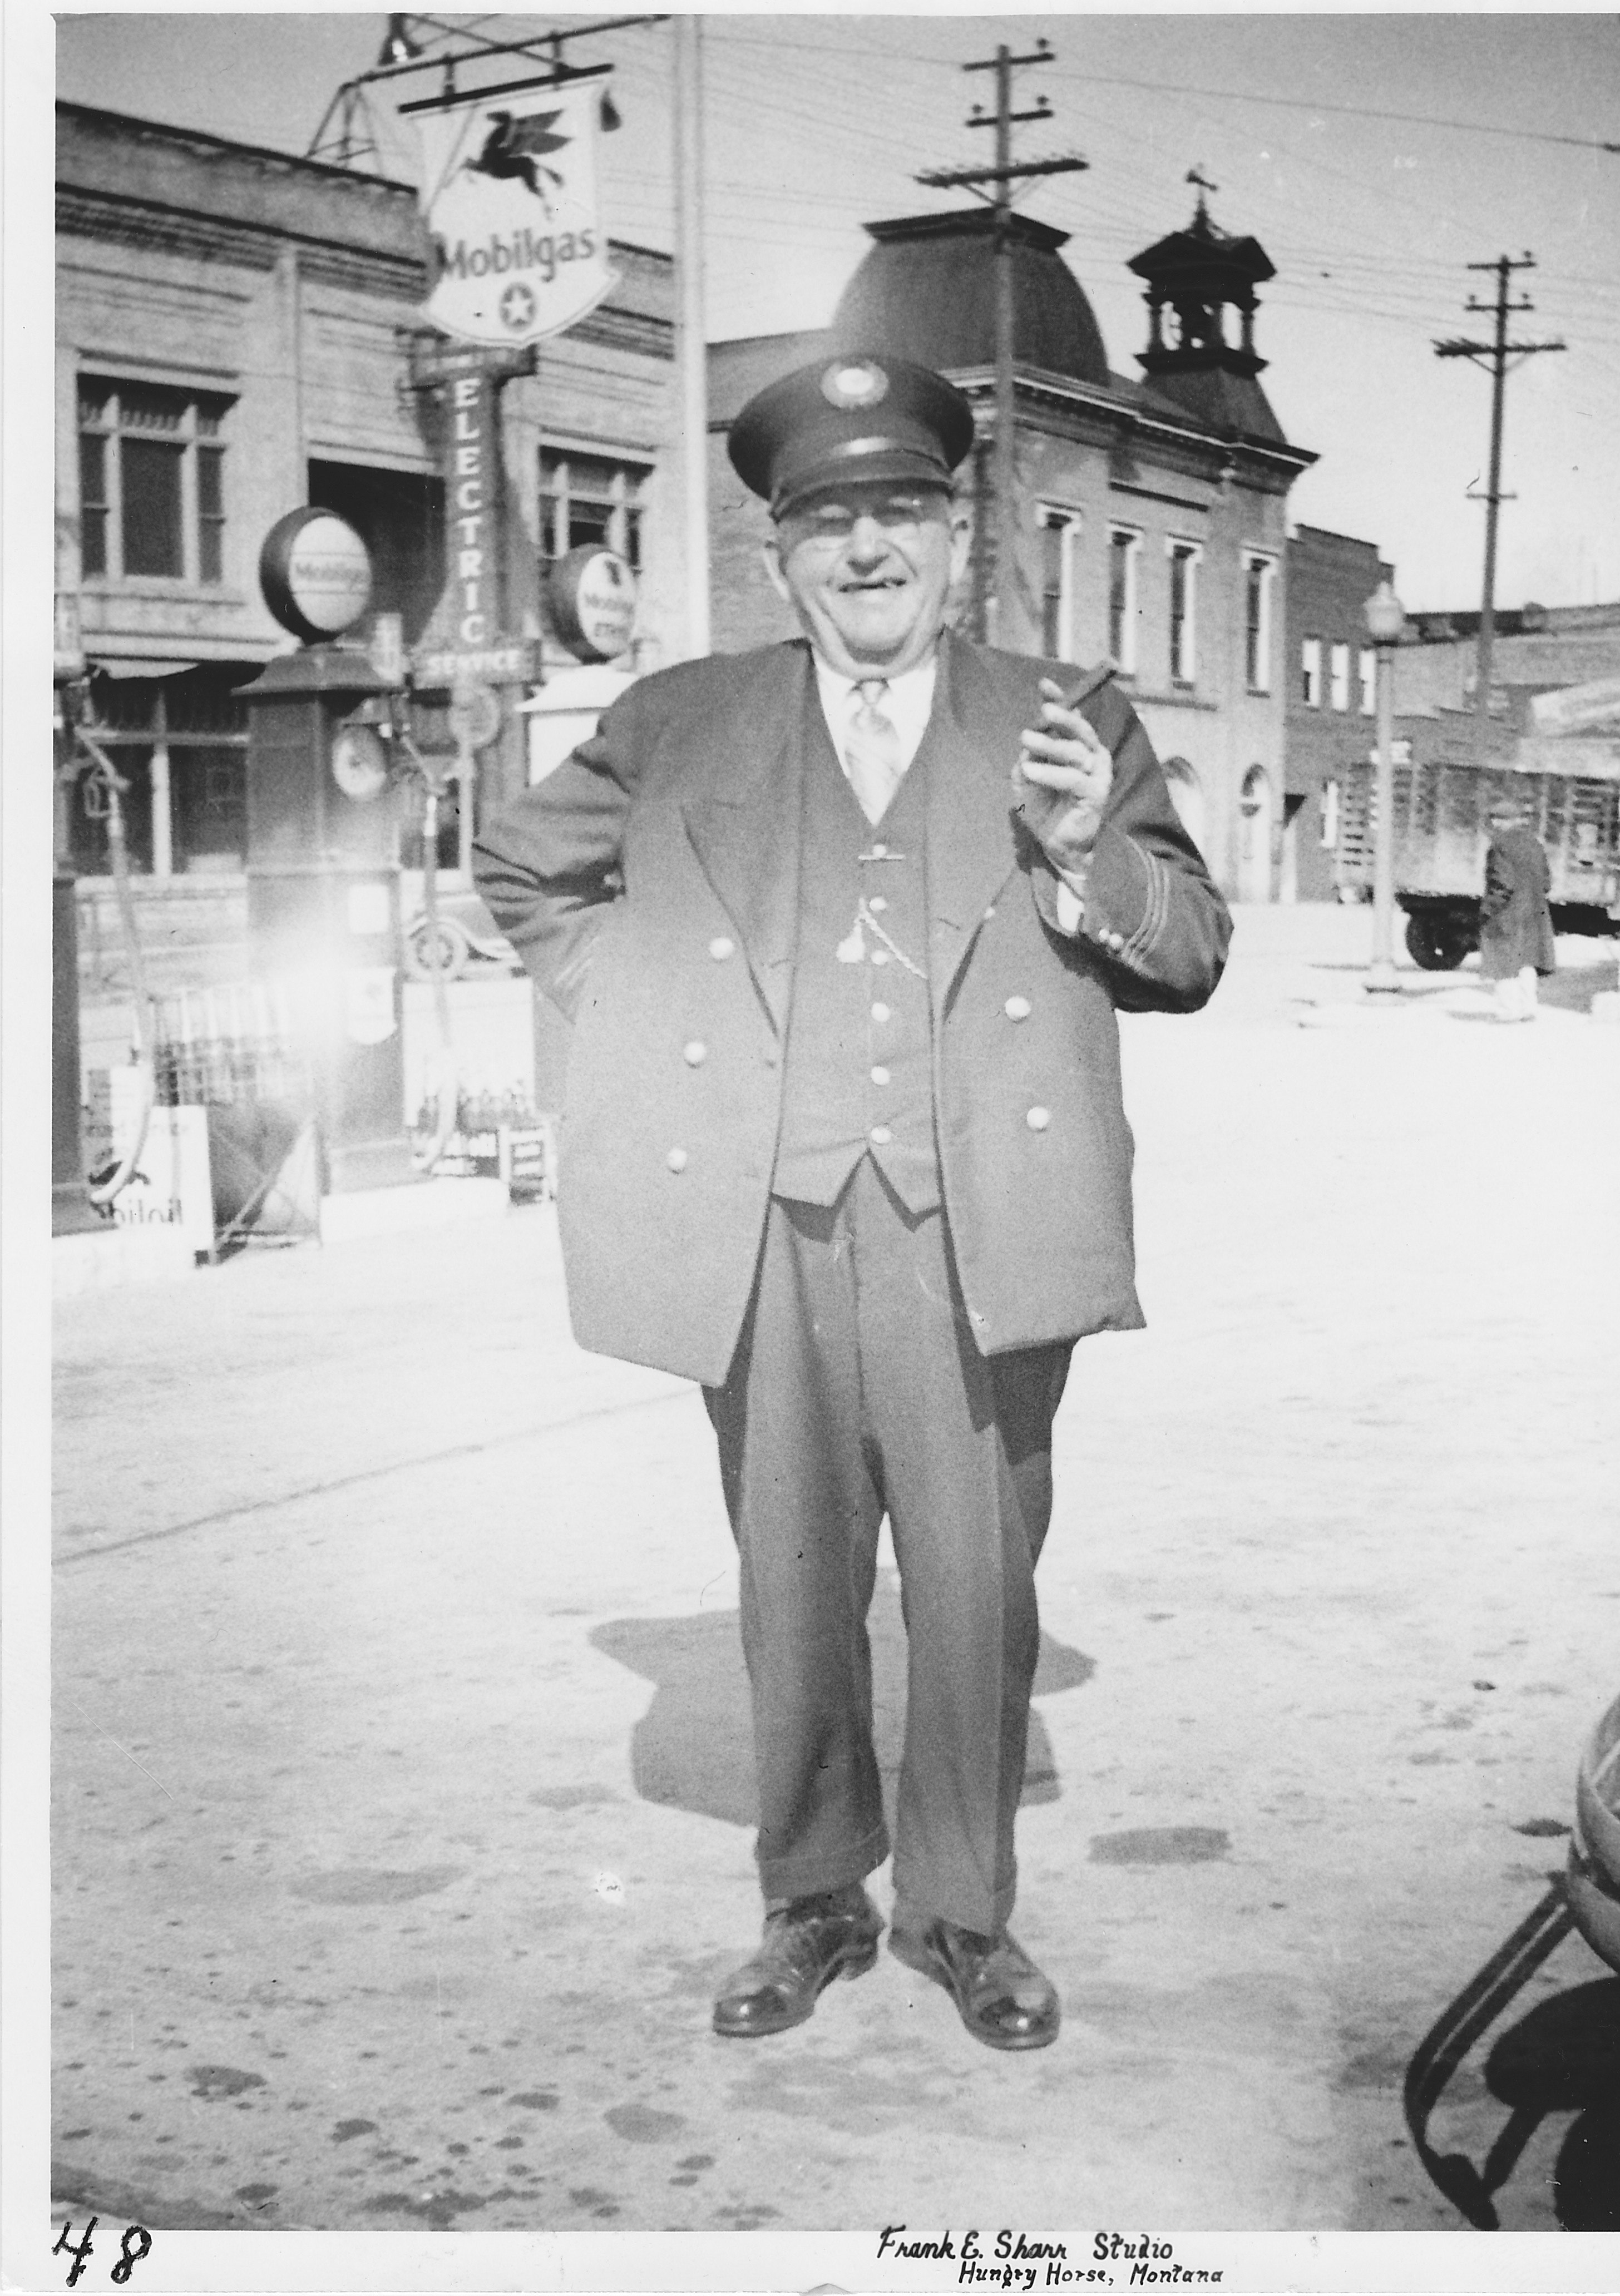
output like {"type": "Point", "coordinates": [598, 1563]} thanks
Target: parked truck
{"type": "Point", "coordinates": [1570, 790]}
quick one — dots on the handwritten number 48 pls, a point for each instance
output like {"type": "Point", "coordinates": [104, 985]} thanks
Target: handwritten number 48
{"type": "Point", "coordinates": [130, 2255]}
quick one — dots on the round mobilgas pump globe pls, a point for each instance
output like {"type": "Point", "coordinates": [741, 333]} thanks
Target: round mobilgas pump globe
{"type": "Point", "coordinates": [315, 574]}
{"type": "Point", "coordinates": [593, 598]}
{"type": "Point", "coordinates": [1593, 1879]}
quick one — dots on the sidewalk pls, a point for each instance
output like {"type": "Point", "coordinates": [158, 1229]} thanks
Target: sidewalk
{"type": "Point", "coordinates": [402, 1791]}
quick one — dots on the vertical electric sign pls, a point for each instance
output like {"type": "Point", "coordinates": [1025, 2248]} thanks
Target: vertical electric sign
{"type": "Point", "coordinates": [474, 537]}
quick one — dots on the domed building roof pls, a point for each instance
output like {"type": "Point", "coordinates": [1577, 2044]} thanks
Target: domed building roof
{"type": "Point", "coordinates": [925, 290]}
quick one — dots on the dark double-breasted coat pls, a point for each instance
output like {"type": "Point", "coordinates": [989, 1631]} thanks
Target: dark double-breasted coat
{"type": "Point", "coordinates": [650, 884]}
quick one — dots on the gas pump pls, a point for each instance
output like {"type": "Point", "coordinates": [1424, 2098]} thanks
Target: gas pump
{"type": "Point", "coordinates": [323, 848]}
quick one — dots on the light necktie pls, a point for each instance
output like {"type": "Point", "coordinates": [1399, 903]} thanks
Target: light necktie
{"type": "Point", "coordinates": [871, 755]}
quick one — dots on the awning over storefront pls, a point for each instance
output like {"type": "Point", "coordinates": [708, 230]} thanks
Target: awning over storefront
{"type": "Point", "coordinates": [122, 666]}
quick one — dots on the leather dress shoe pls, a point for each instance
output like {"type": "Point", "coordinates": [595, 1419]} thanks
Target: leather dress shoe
{"type": "Point", "coordinates": [806, 1945]}
{"type": "Point", "coordinates": [1004, 2000]}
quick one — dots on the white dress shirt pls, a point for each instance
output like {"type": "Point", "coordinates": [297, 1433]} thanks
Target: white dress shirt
{"type": "Point", "coordinates": [906, 705]}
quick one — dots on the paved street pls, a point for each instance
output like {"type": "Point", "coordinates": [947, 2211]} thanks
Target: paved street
{"type": "Point", "coordinates": [402, 1790]}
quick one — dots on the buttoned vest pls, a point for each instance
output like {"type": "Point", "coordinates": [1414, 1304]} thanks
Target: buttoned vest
{"type": "Point", "coordinates": [857, 1074]}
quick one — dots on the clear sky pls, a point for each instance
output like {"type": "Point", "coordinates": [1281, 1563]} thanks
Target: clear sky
{"type": "Point", "coordinates": [814, 124]}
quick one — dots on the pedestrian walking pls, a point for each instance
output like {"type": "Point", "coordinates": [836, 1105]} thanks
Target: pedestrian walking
{"type": "Point", "coordinates": [1516, 943]}
{"type": "Point", "coordinates": [842, 925]}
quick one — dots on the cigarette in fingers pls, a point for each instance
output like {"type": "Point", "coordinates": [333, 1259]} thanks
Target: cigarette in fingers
{"type": "Point", "coordinates": [1093, 682]}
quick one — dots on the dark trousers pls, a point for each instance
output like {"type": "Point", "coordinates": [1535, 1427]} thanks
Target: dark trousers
{"type": "Point", "coordinates": [857, 1391]}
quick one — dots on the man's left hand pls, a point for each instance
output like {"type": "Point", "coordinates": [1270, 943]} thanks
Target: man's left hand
{"type": "Point", "coordinates": [1061, 779]}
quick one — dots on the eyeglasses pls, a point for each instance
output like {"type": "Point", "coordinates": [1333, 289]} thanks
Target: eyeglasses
{"type": "Point", "coordinates": [829, 524]}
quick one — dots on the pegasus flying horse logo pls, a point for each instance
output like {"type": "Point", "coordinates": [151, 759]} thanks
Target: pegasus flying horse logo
{"type": "Point", "coordinates": [516, 148]}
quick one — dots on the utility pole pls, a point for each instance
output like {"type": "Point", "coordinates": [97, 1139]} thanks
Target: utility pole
{"type": "Point", "coordinates": [1495, 354]}
{"type": "Point", "coordinates": [1004, 176]}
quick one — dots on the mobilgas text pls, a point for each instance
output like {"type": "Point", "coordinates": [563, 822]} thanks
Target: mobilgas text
{"type": "Point", "coordinates": [503, 254]}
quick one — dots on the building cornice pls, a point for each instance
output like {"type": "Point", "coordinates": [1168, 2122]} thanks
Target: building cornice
{"type": "Point", "coordinates": [396, 276]}
{"type": "Point", "coordinates": [129, 222]}
{"type": "Point", "coordinates": [1059, 391]}
{"type": "Point", "coordinates": [625, 331]}
{"type": "Point", "coordinates": [127, 125]}
{"type": "Point", "coordinates": [1157, 494]}
{"type": "Point", "coordinates": [84, 214]}
{"type": "Point", "coordinates": [124, 222]}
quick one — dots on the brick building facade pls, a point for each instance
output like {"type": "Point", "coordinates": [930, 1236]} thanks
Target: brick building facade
{"type": "Point", "coordinates": [232, 329]}
{"type": "Point", "coordinates": [1330, 720]}
{"type": "Point", "coordinates": [1150, 514]}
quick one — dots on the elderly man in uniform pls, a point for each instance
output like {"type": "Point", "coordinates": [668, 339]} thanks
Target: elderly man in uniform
{"type": "Point", "coordinates": [842, 925]}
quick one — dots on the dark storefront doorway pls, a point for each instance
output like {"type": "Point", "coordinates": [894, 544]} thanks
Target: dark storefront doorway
{"type": "Point", "coordinates": [399, 516]}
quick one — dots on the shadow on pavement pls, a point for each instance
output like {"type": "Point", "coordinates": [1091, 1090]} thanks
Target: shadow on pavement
{"type": "Point", "coordinates": [1565, 2057]}
{"type": "Point", "coordinates": [1574, 986]}
{"type": "Point", "coordinates": [1562, 2056]}
{"type": "Point", "coordinates": [1570, 989]}
{"type": "Point", "coordinates": [693, 1747]}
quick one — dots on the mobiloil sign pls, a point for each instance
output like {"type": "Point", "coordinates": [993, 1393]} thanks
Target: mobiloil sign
{"type": "Point", "coordinates": [510, 194]}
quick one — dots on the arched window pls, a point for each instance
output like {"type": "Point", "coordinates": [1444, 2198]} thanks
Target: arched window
{"type": "Point", "coordinates": [1254, 811]}
{"type": "Point", "coordinates": [1187, 796]}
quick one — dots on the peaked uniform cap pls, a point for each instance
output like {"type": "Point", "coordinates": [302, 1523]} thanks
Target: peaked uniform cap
{"type": "Point", "coordinates": [854, 416]}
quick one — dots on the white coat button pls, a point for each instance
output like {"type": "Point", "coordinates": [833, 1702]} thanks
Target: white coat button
{"type": "Point", "coordinates": [880, 1136]}
{"type": "Point", "coordinates": [879, 853]}
{"type": "Point", "coordinates": [878, 905]}
{"type": "Point", "coordinates": [879, 1012]}
{"type": "Point", "coordinates": [1039, 1118]}
{"type": "Point", "coordinates": [694, 1053]}
{"type": "Point", "coordinates": [880, 956]}
{"type": "Point", "coordinates": [1117, 940]}
{"type": "Point", "coordinates": [880, 1076]}
{"type": "Point", "coordinates": [677, 1159]}
{"type": "Point", "coordinates": [1016, 1008]}
{"type": "Point", "coordinates": [720, 947]}
{"type": "Point", "coordinates": [770, 1056]}
{"type": "Point", "coordinates": [990, 913]}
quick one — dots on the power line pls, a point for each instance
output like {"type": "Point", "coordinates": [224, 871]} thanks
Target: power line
{"type": "Point", "coordinates": [1395, 235]}
{"type": "Point", "coordinates": [1353, 111]}
{"type": "Point", "coordinates": [1215, 94]}
{"type": "Point", "coordinates": [736, 81]}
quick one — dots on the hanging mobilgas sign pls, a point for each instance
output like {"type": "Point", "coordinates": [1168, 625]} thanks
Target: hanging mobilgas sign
{"type": "Point", "coordinates": [509, 190]}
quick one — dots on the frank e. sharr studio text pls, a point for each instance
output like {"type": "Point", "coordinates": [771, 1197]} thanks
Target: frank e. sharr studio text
{"type": "Point", "coordinates": [1016, 2259]}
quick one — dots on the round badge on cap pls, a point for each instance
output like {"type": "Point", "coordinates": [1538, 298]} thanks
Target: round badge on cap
{"type": "Point", "coordinates": [854, 382]}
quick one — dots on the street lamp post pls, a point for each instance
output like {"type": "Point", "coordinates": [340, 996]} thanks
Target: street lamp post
{"type": "Point", "coordinates": [1385, 620]}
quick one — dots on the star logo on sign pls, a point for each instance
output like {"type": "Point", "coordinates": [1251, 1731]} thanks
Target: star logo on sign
{"type": "Point", "coordinates": [517, 307]}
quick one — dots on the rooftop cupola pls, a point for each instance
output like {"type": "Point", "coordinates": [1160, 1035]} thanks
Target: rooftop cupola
{"type": "Point", "coordinates": [1199, 272]}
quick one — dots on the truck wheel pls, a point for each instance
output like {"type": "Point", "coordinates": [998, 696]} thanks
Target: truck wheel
{"type": "Point", "coordinates": [1437, 943]}
{"type": "Point", "coordinates": [441, 949]}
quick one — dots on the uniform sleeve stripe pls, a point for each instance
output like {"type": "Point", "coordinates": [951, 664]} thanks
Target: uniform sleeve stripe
{"type": "Point", "coordinates": [1155, 910]}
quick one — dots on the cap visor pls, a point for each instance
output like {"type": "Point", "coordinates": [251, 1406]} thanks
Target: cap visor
{"type": "Point", "coordinates": [884, 466]}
